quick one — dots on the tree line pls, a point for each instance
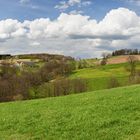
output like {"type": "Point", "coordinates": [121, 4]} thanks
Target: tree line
{"type": "Point", "coordinates": [15, 84]}
{"type": "Point", "coordinates": [126, 52]}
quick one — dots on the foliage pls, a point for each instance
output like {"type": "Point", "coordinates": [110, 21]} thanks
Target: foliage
{"type": "Point", "coordinates": [13, 85]}
{"type": "Point", "coordinates": [132, 61]}
{"type": "Point", "coordinates": [60, 87]}
{"type": "Point", "coordinates": [126, 52]}
{"type": "Point", "coordinates": [103, 61]}
{"type": "Point", "coordinates": [113, 82]}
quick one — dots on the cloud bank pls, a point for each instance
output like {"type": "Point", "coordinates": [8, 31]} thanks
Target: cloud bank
{"type": "Point", "coordinates": [72, 34]}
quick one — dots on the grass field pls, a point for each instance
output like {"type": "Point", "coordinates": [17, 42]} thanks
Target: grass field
{"type": "Point", "coordinates": [102, 115]}
{"type": "Point", "coordinates": [98, 77]}
{"type": "Point", "coordinates": [101, 71]}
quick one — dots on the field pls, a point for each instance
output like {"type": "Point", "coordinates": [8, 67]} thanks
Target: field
{"type": "Point", "coordinates": [121, 59]}
{"type": "Point", "coordinates": [98, 77]}
{"type": "Point", "coordinates": [101, 115]}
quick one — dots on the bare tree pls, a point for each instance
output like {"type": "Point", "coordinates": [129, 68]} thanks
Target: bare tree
{"type": "Point", "coordinates": [105, 56]}
{"type": "Point", "coordinates": [113, 82]}
{"type": "Point", "coordinates": [132, 61]}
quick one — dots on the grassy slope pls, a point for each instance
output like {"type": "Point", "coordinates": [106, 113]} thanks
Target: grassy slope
{"type": "Point", "coordinates": [98, 77]}
{"type": "Point", "coordinates": [102, 115]}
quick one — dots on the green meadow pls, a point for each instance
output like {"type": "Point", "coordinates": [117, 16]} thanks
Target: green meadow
{"type": "Point", "coordinates": [112, 114]}
{"type": "Point", "coordinates": [98, 77]}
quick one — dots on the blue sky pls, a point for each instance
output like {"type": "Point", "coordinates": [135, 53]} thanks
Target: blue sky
{"type": "Point", "coordinates": [80, 28]}
{"type": "Point", "coordinates": [46, 8]}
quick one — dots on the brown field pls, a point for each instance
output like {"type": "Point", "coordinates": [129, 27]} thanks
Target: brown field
{"type": "Point", "coordinates": [120, 59]}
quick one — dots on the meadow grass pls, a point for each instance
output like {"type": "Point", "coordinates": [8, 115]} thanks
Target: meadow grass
{"type": "Point", "coordinates": [102, 115]}
{"type": "Point", "coordinates": [98, 77]}
{"type": "Point", "coordinates": [101, 71]}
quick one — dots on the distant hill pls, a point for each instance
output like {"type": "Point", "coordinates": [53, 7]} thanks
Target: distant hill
{"type": "Point", "coordinates": [43, 56]}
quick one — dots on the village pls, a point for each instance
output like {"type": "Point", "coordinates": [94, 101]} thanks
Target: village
{"type": "Point", "coordinates": [7, 59]}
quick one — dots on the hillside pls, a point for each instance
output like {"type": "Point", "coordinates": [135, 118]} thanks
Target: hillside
{"type": "Point", "coordinates": [120, 59]}
{"type": "Point", "coordinates": [98, 77]}
{"type": "Point", "coordinates": [102, 115]}
{"type": "Point", "coordinates": [46, 75]}
{"type": "Point", "coordinates": [112, 60]}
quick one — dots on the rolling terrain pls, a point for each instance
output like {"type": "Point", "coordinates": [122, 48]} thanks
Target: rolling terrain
{"type": "Point", "coordinates": [102, 115]}
{"type": "Point", "coordinates": [121, 59]}
{"type": "Point", "coordinates": [98, 77]}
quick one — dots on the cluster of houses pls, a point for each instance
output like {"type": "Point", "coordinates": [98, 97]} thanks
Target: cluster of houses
{"type": "Point", "coordinates": [29, 60]}
{"type": "Point", "coordinates": [24, 63]}
{"type": "Point", "coordinates": [17, 62]}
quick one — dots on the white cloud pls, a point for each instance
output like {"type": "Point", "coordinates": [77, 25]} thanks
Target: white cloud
{"type": "Point", "coordinates": [11, 28]}
{"type": "Point", "coordinates": [29, 4]}
{"type": "Point", "coordinates": [73, 2]}
{"type": "Point", "coordinates": [72, 34]}
{"type": "Point", "coordinates": [137, 2]}
{"type": "Point", "coordinates": [24, 1]}
{"type": "Point", "coordinates": [34, 44]}
{"type": "Point", "coordinates": [75, 12]}
{"type": "Point", "coordinates": [63, 5]}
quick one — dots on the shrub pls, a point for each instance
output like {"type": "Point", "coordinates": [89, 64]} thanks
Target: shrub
{"type": "Point", "coordinates": [18, 97]}
{"type": "Point", "coordinates": [113, 82]}
{"type": "Point", "coordinates": [103, 61]}
{"type": "Point", "coordinates": [60, 87]}
{"type": "Point", "coordinates": [79, 85]}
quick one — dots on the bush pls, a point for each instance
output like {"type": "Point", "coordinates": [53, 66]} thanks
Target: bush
{"type": "Point", "coordinates": [79, 85]}
{"type": "Point", "coordinates": [135, 79]}
{"type": "Point", "coordinates": [18, 97]}
{"type": "Point", "coordinates": [103, 62]}
{"type": "Point", "coordinates": [60, 87]}
{"type": "Point", "coordinates": [113, 82]}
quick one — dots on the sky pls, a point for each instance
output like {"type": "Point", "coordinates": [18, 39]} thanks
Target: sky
{"type": "Point", "coordinates": [79, 28]}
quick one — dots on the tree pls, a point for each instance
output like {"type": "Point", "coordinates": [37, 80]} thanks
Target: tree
{"type": "Point", "coordinates": [113, 82]}
{"type": "Point", "coordinates": [132, 61]}
{"type": "Point", "coordinates": [105, 56]}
